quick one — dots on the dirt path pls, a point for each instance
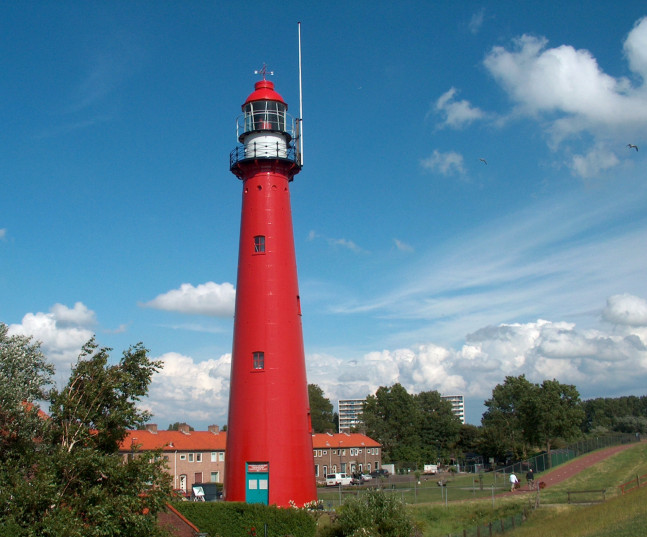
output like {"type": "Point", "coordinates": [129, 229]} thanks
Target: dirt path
{"type": "Point", "coordinates": [569, 469]}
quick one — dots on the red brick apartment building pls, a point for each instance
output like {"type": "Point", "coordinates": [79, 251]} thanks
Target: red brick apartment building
{"type": "Point", "coordinates": [199, 456]}
{"type": "Point", "coordinates": [191, 456]}
{"type": "Point", "coordinates": [345, 453]}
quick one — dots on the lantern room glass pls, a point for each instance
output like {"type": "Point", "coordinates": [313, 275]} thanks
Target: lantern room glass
{"type": "Point", "coordinates": [265, 115]}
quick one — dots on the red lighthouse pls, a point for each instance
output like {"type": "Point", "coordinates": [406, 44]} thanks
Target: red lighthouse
{"type": "Point", "coordinates": [269, 441]}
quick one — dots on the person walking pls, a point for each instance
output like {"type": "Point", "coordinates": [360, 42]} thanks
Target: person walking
{"type": "Point", "coordinates": [513, 482]}
{"type": "Point", "coordinates": [530, 477]}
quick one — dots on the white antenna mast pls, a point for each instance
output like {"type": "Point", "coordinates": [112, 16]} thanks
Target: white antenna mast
{"type": "Point", "coordinates": [300, 104]}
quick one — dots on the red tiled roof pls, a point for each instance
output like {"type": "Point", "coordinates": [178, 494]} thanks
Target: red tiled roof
{"type": "Point", "coordinates": [328, 440]}
{"type": "Point", "coordinates": [175, 441]}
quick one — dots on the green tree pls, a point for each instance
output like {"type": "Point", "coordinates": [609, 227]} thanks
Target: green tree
{"type": "Point", "coordinates": [438, 427]}
{"type": "Point", "coordinates": [321, 410]}
{"type": "Point", "coordinates": [67, 478]}
{"type": "Point", "coordinates": [555, 412]}
{"type": "Point", "coordinates": [504, 421]}
{"type": "Point", "coordinates": [175, 426]}
{"type": "Point", "coordinates": [25, 375]}
{"type": "Point", "coordinates": [391, 417]}
{"type": "Point", "coordinates": [521, 415]}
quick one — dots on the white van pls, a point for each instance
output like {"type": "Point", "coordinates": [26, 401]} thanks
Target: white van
{"type": "Point", "coordinates": [338, 479]}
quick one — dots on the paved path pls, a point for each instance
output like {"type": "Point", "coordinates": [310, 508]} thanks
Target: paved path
{"type": "Point", "coordinates": [569, 469]}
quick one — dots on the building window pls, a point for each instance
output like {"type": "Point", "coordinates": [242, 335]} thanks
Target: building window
{"type": "Point", "coordinates": [221, 456]}
{"type": "Point", "coordinates": [182, 457]}
{"type": "Point", "coordinates": [215, 477]}
{"type": "Point", "coordinates": [316, 470]}
{"type": "Point", "coordinates": [190, 457]}
{"type": "Point", "coordinates": [259, 360]}
{"type": "Point", "coordinates": [214, 456]}
{"type": "Point", "coordinates": [259, 244]}
{"type": "Point", "coordinates": [198, 457]}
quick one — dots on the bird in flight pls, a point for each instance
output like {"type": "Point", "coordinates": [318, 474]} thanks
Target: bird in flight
{"type": "Point", "coordinates": [632, 146]}
{"type": "Point", "coordinates": [483, 160]}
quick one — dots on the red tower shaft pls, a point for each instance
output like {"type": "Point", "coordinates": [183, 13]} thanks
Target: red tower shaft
{"type": "Point", "coordinates": [269, 442]}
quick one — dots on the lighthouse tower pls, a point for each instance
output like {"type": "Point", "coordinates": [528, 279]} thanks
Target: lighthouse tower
{"type": "Point", "coordinates": [269, 440]}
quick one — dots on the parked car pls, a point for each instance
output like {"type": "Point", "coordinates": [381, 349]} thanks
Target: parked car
{"type": "Point", "coordinates": [380, 473]}
{"type": "Point", "coordinates": [338, 479]}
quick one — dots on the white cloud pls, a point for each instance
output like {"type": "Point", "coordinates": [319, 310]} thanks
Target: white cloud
{"type": "Point", "coordinates": [186, 390]}
{"type": "Point", "coordinates": [62, 332]}
{"type": "Point", "coordinates": [626, 310]}
{"type": "Point", "coordinates": [344, 243]}
{"type": "Point", "coordinates": [403, 247]}
{"type": "Point", "coordinates": [476, 22]}
{"type": "Point", "coordinates": [210, 298]}
{"type": "Point", "coordinates": [596, 160]}
{"type": "Point", "coordinates": [596, 362]}
{"type": "Point", "coordinates": [570, 83]}
{"type": "Point", "coordinates": [79, 315]}
{"type": "Point", "coordinates": [635, 48]}
{"type": "Point", "coordinates": [457, 114]}
{"type": "Point", "coordinates": [3, 233]}
{"type": "Point", "coordinates": [445, 163]}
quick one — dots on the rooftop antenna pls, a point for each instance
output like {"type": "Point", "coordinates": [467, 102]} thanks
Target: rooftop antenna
{"type": "Point", "coordinates": [263, 71]}
{"type": "Point", "coordinates": [300, 104]}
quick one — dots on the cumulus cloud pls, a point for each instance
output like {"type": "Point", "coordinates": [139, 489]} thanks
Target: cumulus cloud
{"type": "Point", "coordinates": [566, 91]}
{"type": "Point", "coordinates": [595, 361]}
{"type": "Point", "coordinates": [62, 332]}
{"type": "Point", "coordinates": [592, 163]}
{"type": "Point", "coordinates": [79, 315]}
{"type": "Point", "coordinates": [635, 48]}
{"type": "Point", "coordinates": [457, 114]}
{"type": "Point", "coordinates": [444, 163]}
{"type": "Point", "coordinates": [217, 300]}
{"type": "Point", "coordinates": [626, 310]}
{"type": "Point", "coordinates": [186, 390]}
{"type": "Point", "coordinates": [570, 83]}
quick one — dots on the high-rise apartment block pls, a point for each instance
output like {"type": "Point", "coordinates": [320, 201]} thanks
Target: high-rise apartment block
{"type": "Point", "coordinates": [458, 405]}
{"type": "Point", "coordinates": [350, 414]}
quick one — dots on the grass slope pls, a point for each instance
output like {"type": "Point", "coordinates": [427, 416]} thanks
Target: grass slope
{"type": "Point", "coordinates": [439, 521]}
{"type": "Point", "coordinates": [623, 516]}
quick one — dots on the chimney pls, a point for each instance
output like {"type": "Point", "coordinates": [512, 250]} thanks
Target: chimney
{"type": "Point", "coordinates": [183, 428]}
{"type": "Point", "coordinates": [213, 429]}
{"type": "Point", "coordinates": [151, 428]}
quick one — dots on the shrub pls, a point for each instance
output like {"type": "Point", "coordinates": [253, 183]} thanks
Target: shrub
{"type": "Point", "coordinates": [374, 514]}
{"type": "Point", "coordinates": [233, 519]}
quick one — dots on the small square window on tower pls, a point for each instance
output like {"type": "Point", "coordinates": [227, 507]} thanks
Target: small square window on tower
{"type": "Point", "coordinates": [259, 244]}
{"type": "Point", "coordinates": [259, 360]}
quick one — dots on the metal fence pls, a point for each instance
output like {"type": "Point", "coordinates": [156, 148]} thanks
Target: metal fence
{"type": "Point", "coordinates": [501, 525]}
{"type": "Point", "coordinates": [546, 461]}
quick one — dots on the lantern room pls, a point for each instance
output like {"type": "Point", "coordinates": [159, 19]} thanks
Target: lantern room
{"type": "Point", "coordinates": [264, 110]}
{"type": "Point", "coordinates": [265, 129]}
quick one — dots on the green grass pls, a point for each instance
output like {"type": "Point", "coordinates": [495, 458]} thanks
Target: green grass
{"type": "Point", "coordinates": [461, 487]}
{"type": "Point", "coordinates": [623, 516]}
{"type": "Point", "coordinates": [436, 520]}
{"type": "Point", "coordinates": [608, 475]}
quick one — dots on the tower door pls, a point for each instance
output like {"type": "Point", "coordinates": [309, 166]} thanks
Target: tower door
{"type": "Point", "coordinates": [257, 478]}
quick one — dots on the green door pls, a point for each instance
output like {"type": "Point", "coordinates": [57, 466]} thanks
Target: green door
{"type": "Point", "coordinates": [257, 479]}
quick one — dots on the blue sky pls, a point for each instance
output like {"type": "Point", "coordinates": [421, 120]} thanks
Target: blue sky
{"type": "Point", "coordinates": [418, 262]}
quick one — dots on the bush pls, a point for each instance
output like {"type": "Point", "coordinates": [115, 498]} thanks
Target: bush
{"type": "Point", "coordinates": [374, 514]}
{"type": "Point", "coordinates": [233, 519]}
